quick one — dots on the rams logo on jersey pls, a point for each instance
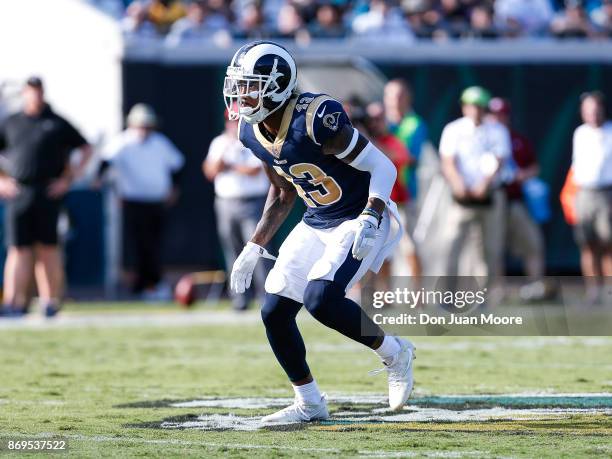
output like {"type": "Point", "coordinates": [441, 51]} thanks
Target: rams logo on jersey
{"type": "Point", "coordinates": [331, 120]}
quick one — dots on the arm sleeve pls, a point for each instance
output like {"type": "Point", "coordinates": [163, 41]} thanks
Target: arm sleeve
{"type": "Point", "coordinates": [447, 143]}
{"type": "Point", "coordinates": [214, 152]}
{"type": "Point", "coordinates": [381, 169]}
{"type": "Point", "coordinates": [73, 138]}
{"type": "Point", "coordinates": [503, 144]}
{"type": "Point", "coordinates": [175, 157]}
{"type": "Point", "coordinates": [112, 150]}
{"type": "Point", "coordinates": [575, 142]}
{"type": "Point", "coordinates": [325, 117]}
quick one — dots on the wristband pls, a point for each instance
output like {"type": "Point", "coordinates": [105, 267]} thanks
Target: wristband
{"type": "Point", "coordinates": [372, 213]}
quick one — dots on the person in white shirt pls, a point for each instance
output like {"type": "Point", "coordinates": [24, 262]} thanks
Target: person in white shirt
{"type": "Point", "coordinates": [241, 187]}
{"type": "Point", "coordinates": [146, 166]}
{"type": "Point", "coordinates": [592, 166]}
{"type": "Point", "coordinates": [473, 153]}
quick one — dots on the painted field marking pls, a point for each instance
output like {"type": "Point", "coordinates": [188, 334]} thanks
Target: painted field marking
{"type": "Point", "coordinates": [368, 409]}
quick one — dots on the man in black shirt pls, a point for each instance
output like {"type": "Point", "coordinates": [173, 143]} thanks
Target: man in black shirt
{"type": "Point", "coordinates": [36, 174]}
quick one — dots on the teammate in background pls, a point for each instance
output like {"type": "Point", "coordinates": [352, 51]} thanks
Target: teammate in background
{"type": "Point", "coordinates": [473, 151]}
{"type": "Point", "coordinates": [37, 173]}
{"type": "Point", "coordinates": [309, 148]}
{"type": "Point", "coordinates": [592, 168]}
{"type": "Point", "coordinates": [241, 187]}
{"type": "Point", "coordinates": [394, 149]}
{"type": "Point", "coordinates": [523, 235]}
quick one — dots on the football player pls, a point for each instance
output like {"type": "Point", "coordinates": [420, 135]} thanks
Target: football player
{"type": "Point", "coordinates": [309, 148]}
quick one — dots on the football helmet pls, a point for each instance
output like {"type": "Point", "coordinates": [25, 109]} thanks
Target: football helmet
{"type": "Point", "coordinates": [262, 71]}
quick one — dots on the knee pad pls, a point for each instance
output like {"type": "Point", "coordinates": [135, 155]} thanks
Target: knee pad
{"type": "Point", "coordinates": [278, 310]}
{"type": "Point", "coordinates": [320, 293]}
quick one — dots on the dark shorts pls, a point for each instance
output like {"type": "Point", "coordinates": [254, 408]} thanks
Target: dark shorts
{"type": "Point", "coordinates": [31, 218]}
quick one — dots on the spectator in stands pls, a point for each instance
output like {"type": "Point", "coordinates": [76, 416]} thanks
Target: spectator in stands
{"type": "Point", "coordinates": [164, 13]}
{"type": "Point", "coordinates": [253, 24]}
{"type": "Point", "coordinates": [602, 18]}
{"type": "Point", "coordinates": [523, 235]}
{"type": "Point", "coordinates": [290, 23]}
{"type": "Point", "coordinates": [382, 22]}
{"type": "Point", "coordinates": [473, 151]}
{"type": "Point", "coordinates": [523, 17]}
{"type": "Point", "coordinates": [592, 168]}
{"type": "Point", "coordinates": [146, 164]}
{"type": "Point", "coordinates": [572, 22]}
{"type": "Point", "coordinates": [223, 8]}
{"type": "Point", "coordinates": [407, 126]}
{"type": "Point", "coordinates": [241, 187]}
{"type": "Point", "coordinates": [481, 23]}
{"type": "Point", "coordinates": [425, 20]}
{"type": "Point", "coordinates": [328, 22]}
{"type": "Point", "coordinates": [455, 14]}
{"type": "Point", "coordinates": [136, 22]}
{"type": "Point", "coordinates": [376, 127]}
{"type": "Point", "coordinates": [36, 174]}
{"type": "Point", "coordinates": [199, 24]}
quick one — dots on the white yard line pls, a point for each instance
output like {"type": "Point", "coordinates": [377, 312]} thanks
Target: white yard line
{"type": "Point", "coordinates": [181, 318]}
{"type": "Point", "coordinates": [153, 319]}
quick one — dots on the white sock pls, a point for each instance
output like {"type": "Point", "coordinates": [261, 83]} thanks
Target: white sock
{"type": "Point", "coordinates": [308, 393]}
{"type": "Point", "coordinates": [388, 349]}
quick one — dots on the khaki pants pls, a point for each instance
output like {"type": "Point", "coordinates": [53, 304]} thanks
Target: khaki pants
{"type": "Point", "coordinates": [475, 236]}
{"type": "Point", "coordinates": [524, 238]}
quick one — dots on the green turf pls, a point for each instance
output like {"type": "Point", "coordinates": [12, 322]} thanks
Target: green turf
{"type": "Point", "coordinates": [75, 383]}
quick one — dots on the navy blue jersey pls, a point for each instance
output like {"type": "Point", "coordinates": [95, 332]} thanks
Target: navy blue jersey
{"type": "Point", "coordinates": [332, 190]}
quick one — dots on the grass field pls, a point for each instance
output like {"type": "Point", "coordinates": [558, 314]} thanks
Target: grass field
{"type": "Point", "coordinates": [134, 381]}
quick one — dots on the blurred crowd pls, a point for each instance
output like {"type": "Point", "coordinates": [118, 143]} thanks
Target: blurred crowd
{"type": "Point", "coordinates": [303, 20]}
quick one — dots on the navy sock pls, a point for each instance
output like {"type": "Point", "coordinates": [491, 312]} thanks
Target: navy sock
{"type": "Point", "coordinates": [325, 300]}
{"type": "Point", "coordinates": [278, 314]}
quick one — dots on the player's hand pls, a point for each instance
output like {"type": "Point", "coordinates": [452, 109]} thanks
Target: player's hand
{"type": "Point", "coordinates": [365, 236]}
{"type": "Point", "coordinates": [480, 191]}
{"type": "Point", "coordinates": [242, 271]}
{"type": "Point", "coordinates": [8, 188]}
{"type": "Point", "coordinates": [460, 192]}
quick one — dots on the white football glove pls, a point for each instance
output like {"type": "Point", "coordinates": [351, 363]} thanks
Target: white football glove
{"type": "Point", "coordinates": [242, 271]}
{"type": "Point", "coordinates": [365, 236]}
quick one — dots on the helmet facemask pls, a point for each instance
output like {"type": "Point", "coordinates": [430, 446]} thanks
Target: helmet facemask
{"type": "Point", "coordinates": [239, 85]}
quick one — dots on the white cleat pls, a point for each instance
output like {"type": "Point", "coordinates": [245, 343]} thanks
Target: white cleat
{"type": "Point", "coordinates": [299, 412]}
{"type": "Point", "coordinates": [400, 375]}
